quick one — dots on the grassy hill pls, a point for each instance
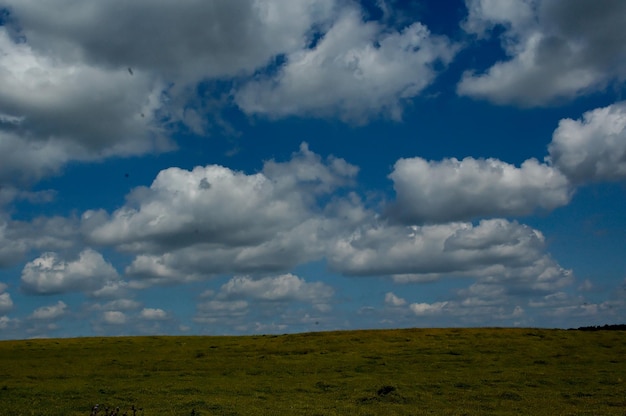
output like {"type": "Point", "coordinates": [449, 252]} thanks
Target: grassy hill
{"type": "Point", "coordinates": [382, 372]}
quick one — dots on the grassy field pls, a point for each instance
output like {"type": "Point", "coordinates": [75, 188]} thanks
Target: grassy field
{"type": "Point", "coordinates": [386, 372]}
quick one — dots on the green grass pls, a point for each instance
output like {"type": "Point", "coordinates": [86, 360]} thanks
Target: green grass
{"type": "Point", "coordinates": [386, 372]}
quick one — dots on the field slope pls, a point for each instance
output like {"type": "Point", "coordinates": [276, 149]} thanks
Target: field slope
{"type": "Point", "coordinates": [382, 372]}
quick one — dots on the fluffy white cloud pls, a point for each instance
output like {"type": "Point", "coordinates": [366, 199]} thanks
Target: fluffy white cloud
{"type": "Point", "coordinates": [287, 248]}
{"type": "Point", "coordinates": [50, 312]}
{"type": "Point", "coordinates": [6, 303]}
{"type": "Point", "coordinates": [53, 111]}
{"type": "Point", "coordinates": [356, 71]}
{"type": "Point", "coordinates": [493, 251]}
{"type": "Point", "coordinates": [285, 287]}
{"type": "Point", "coordinates": [592, 148]}
{"type": "Point", "coordinates": [557, 49]}
{"type": "Point", "coordinates": [453, 190]}
{"type": "Point", "coordinates": [114, 317]}
{"type": "Point", "coordinates": [421, 309]}
{"type": "Point", "coordinates": [5, 321]}
{"type": "Point", "coordinates": [111, 289]}
{"type": "Point", "coordinates": [191, 224]}
{"type": "Point", "coordinates": [393, 300]}
{"type": "Point", "coordinates": [153, 314]}
{"type": "Point", "coordinates": [49, 273]}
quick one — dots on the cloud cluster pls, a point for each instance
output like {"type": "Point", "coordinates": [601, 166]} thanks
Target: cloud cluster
{"type": "Point", "coordinates": [357, 70]}
{"type": "Point", "coordinates": [244, 296]}
{"type": "Point", "coordinates": [84, 81]}
{"type": "Point", "coordinates": [105, 80]}
{"type": "Point", "coordinates": [215, 39]}
{"type": "Point", "coordinates": [275, 289]}
{"type": "Point", "coordinates": [557, 49]}
{"type": "Point", "coordinates": [494, 250]}
{"type": "Point", "coordinates": [193, 224]}
{"type": "Point", "coordinates": [17, 238]}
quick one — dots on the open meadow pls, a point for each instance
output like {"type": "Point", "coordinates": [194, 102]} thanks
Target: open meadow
{"type": "Point", "coordinates": [370, 372]}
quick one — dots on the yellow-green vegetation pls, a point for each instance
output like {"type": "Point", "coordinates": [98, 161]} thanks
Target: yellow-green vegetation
{"type": "Point", "coordinates": [383, 372]}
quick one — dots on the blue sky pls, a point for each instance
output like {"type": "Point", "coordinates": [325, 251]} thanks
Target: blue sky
{"type": "Point", "coordinates": [240, 166]}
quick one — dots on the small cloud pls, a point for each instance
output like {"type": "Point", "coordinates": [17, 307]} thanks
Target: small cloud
{"type": "Point", "coordinates": [4, 322]}
{"type": "Point", "coordinates": [586, 286]}
{"type": "Point", "coordinates": [50, 312]}
{"type": "Point", "coordinates": [393, 300]}
{"type": "Point", "coordinates": [421, 309]}
{"type": "Point", "coordinates": [114, 318]}
{"type": "Point", "coordinates": [6, 303]}
{"type": "Point", "coordinates": [153, 314]}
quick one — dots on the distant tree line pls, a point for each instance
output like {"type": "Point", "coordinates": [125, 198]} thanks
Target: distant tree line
{"type": "Point", "coordinates": [617, 327]}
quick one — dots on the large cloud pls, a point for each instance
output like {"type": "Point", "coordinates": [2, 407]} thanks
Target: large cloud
{"type": "Point", "coordinates": [557, 48]}
{"type": "Point", "coordinates": [190, 224]}
{"type": "Point", "coordinates": [113, 78]}
{"type": "Point", "coordinates": [592, 148]}
{"type": "Point", "coordinates": [494, 250]}
{"type": "Point", "coordinates": [182, 40]}
{"type": "Point", "coordinates": [356, 70]}
{"type": "Point", "coordinates": [53, 111]}
{"type": "Point", "coordinates": [49, 273]}
{"type": "Point", "coordinates": [453, 190]}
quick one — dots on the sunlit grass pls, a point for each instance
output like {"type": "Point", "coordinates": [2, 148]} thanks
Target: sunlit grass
{"type": "Point", "coordinates": [387, 372]}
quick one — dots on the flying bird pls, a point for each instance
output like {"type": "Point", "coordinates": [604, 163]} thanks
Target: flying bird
{"type": "Point", "coordinates": [130, 70]}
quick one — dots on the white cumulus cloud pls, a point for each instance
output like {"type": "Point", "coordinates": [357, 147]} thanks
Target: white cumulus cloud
{"type": "Point", "coordinates": [357, 70]}
{"type": "Point", "coordinates": [453, 190]}
{"type": "Point", "coordinates": [50, 312]}
{"type": "Point", "coordinates": [495, 250]}
{"type": "Point", "coordinates": [56, 111]}
{"type": "Point", "coordinates": [428, 308]}
{"type": "Point", "coordinates": [592, 148]}
{"type": "Point", "coordinates": [153, 314]}
{"type": "Point", "coordinates": [557, 49]}
{"type": "Point", "coordinates": [286, 287]}
{"type": "Point", "coordinates": [392, 300]}
{"type": "Point", "coordinates": [192, 224]}
{"type": "Point", "coordinates": [49, 273]}
{"type": "Point", "coordinates": [6, 303]}
{"type": "Point", "coordinates": [114, 317]}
